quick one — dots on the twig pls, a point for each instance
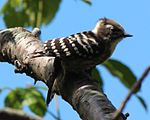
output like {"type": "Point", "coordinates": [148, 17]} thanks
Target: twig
{"type": "Point", "coordinates": [57, 108]}
{"type": "Point", "coordinates": [132, 91]}
{"type": "Point", "coordinates": [54, 116]}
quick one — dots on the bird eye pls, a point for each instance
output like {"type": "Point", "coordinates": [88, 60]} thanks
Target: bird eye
{"type": "Point", "coordinates": [109, 26]}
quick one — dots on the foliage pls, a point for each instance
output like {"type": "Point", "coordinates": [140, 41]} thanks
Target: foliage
{"type": "Point", "coordinates": [121, 71]}
{"type": "Point", "coordinates": [29, 12]}
{"type": "Point", "coordinates": [142, 101]}
{"type": "Point", "coordinates": [88, 2]}
{"type": "Point", "coordinates": [31, 97]}
{"type": "Point", "coordinates": [125, 75]}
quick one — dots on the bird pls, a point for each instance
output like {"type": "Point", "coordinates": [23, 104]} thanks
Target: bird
{"type": "Point", "coordinates": [86, 49]}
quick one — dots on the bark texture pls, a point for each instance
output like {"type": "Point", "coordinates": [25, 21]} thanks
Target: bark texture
{"type": "Point", "coordinates": [12, 114]}
{"type": "Point", "coordinates": [24, 50]}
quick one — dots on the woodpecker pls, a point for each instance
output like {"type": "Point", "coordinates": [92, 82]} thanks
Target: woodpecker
{"type": "Point", "coordinates": [84, 50]}
{"type": "Point", "coordinates": [89, 48]}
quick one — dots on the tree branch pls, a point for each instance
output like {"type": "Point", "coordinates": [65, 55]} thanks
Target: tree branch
{"type": "Point", "coordinates": [13, 114]}
{"type": "Point", "coordinates": [24, 50]}
{"type": "Point", "coordinates": [131, 92]}
{"type": "Point", "coordinates": [86, 97]}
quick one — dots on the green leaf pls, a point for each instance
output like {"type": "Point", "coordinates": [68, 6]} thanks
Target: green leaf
{"type": "Point", "coordinates": [121, 71]}
{"type": "Point", "coordinates": [96, 75]}
{"type": "Point", "coordinates": [50, 10]}
{"type": "Point", "coordinates": [142, 101]}
{"type": "Point", "coordinates": [1, 90]}
{"type": "Point", "coordinates": [42, 88]}
{"type": "Point", "coordinates": [15, 98]}
{"type": "Point", "coordinates": [27, 13]}
{"type": "Point", "coordinates": [36, 102]}
{"type": "Point", "coordinates": [88, 2]}
{"type": "Point", "coordinates": [27, 96]}
{"type": "Point", "coordinates": [11, 16]}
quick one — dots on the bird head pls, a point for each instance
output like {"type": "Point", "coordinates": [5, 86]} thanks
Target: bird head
{"type": "Point", "coordinates": [108, 29]}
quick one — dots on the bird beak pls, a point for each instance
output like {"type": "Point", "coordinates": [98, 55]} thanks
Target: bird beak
{"type": "Point", "coordinates": [127, 35]}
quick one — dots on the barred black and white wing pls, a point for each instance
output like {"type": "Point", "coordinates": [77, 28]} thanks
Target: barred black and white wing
{"type": "Point", "coordinates": [80, 45]}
